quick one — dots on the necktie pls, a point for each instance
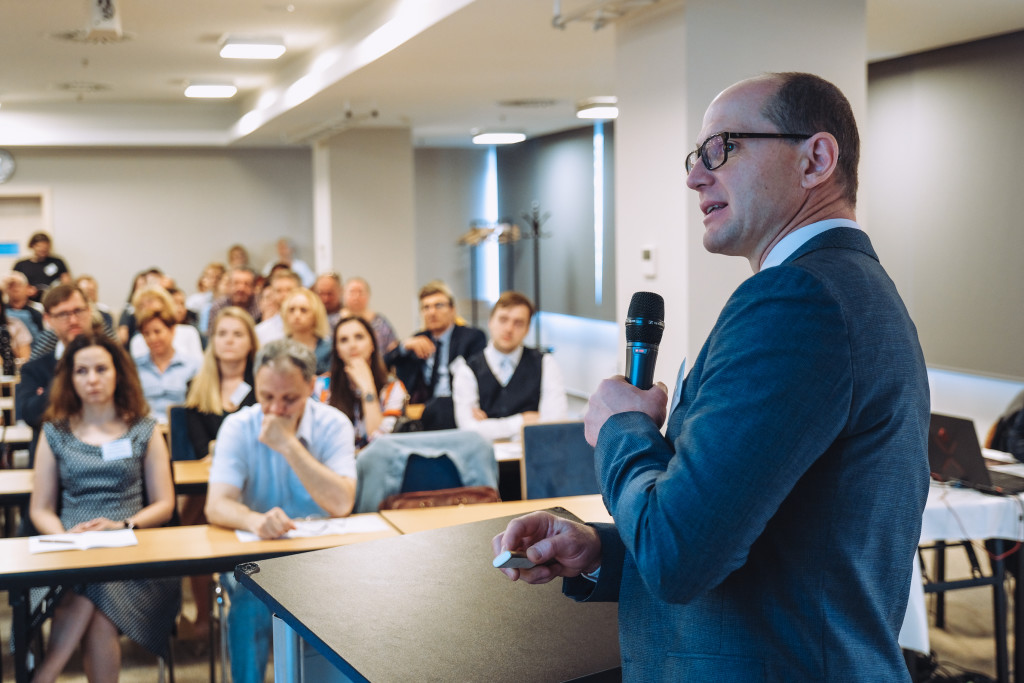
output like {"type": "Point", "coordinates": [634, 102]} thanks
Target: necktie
{"type": "Point", "coordinates": [508, 368]}
{"type": "Point", "coordinates": [435, 371]}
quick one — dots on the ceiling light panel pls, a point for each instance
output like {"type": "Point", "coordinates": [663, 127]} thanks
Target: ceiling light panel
{"type": "Point", "coordinates": [252, 48]}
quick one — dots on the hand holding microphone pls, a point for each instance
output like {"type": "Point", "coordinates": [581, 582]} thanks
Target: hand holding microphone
{"type": "Point", "coordinates": [645, 326]}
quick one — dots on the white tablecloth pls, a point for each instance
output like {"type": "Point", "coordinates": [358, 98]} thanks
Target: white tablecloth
{"type": "Point", "coordinates": [957, 514]}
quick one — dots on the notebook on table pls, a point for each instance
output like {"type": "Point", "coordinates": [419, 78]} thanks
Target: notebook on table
{"type": "Point", "coordinates": [954, 454]}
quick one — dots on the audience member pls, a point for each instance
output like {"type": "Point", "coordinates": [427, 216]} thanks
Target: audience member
{"type": "Point", "coordinates": [287, 458]}
{"type": "Point", "coordinates": [238, 257]}
{"type": "Point", "coordinates": [91, 290]}
{"type": "Point", "coordinates": [224, 382]}
{"type": "Point", "coordinates": [206, 286]}
{"type": "Point", "coordinates": [20, 305]}
{"type": "Point", "coordinates": [1007, 433]}
{"type": "Point", "coordinates": [305, 321]}
{"type": "Point", "coordinates": [15, 341]}
{"type": "Point", "coordinates": [282, 284]}
{"type": "Point", "coordinates": [422, 361]}
{"type": "Point", "coordinates": [358, 383]}
{"type": "Point", "coordinates": [100, 466]}
{"type": "Point", "coordinates": [164, 371]}
{"type": "Point", "coordinates": [507, 386]}
{"type": "Point", "coordinates": [328, 288]}
{"type": "Point", "coordinates": [146, 279]}
{"type": "Point", "coordinates": [286, 256]}
{"type": "Point", "coordinates": [67, 314]}
{"type": "Point", "coordinates": [241, 293]}
{"type": "Point", "coordinates": [357, 302]}
{"type": "Point", "coordinates": [182, 315]}
{"type": "Point", "coordinates": [185, 338]}
{"type": "Point", "coordinates": [43, 270]}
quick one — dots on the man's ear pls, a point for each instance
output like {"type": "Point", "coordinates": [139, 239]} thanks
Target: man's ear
{"type": "Point", "coordinates": [821, 159]}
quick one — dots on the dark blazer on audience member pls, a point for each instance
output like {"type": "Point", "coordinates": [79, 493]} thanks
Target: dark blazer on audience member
{"type": "Point", "coordinates": [466, 341]}
{"type": "Point", "coordinates": [771, 534]}
{"type": "Point", "coordinates": [30, 403]}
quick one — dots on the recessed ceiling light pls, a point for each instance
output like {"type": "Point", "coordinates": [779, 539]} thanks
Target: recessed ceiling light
{"type": "Point", "coordinates": [606, 107]}
{"type": "Point", "coordinates": [498, 138]}
{"type": "Point", "coordinates": [210, 90]}
{"type": "Point", "coordinates": [252, 48]}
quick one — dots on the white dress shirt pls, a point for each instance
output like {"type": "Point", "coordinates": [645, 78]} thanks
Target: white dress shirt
{"type": "Point", "coordinates": [466, 395]}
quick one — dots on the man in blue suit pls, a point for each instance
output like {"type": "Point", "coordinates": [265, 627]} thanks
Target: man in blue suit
{"type": "Point", "coordinates": [770, 535]}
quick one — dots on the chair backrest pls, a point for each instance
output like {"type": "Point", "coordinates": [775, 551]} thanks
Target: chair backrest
{"type": "Point", "coordinates": [557, 461]}
{"type": "Point", "coordinates": [8, 385]}
{"type": "Point", "coordinates": [439, 457]}
{"type": "Point", "coordinates": [177, 426]}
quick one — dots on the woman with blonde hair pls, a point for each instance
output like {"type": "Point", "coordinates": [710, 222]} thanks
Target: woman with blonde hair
{"type": "Point", "coordinates": [224, 382]}
{"type": "Point", "coordinates": [305, 321]}
{"type": "Point", "coordinates": [100, 464]}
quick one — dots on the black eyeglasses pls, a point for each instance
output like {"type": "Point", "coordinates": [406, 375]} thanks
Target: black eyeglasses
{"type": "Point", "coordinates": [715, 150]}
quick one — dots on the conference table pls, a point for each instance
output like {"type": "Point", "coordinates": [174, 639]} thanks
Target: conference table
{"type": "Point", "coordinates": [162, 552]}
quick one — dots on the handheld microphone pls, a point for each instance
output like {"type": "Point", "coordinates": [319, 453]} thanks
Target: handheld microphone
{"type": "Point", "coordinates": [645, 323]}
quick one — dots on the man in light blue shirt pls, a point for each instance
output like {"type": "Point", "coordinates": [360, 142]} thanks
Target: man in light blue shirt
{"type": "Point", "coordinates": [285, 458]}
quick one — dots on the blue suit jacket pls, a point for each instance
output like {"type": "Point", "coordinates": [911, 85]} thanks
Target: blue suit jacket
{"type": "Point", "coordinates": [770, 535]}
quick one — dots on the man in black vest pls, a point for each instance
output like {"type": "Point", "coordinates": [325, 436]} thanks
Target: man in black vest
{"type": "Point", "coordinates": [506, 386]}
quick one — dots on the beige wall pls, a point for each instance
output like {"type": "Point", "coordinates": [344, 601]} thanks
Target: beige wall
{"type": "Point", "coordinates": [373, 218]}
{"type": "Point", "coordinates": [118, 211]}
{"type": "Point", "coordinates": [449, 196]}
{"type": "Point", "coordinates": [943, 170]}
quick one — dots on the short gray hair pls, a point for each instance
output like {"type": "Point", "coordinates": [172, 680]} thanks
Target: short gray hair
{"type": "Point", "coordinates": [290, 351]}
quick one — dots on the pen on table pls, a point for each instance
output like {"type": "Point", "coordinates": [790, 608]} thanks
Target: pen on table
{"type": "Point", "coordinates": [55, 540]}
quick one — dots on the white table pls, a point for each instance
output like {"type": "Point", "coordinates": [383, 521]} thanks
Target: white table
{"type": "Point", "coordinates": [960, 514]}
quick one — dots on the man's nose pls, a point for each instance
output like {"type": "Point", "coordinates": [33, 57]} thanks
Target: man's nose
{"type": "Point", "coordinates": [698, 176]}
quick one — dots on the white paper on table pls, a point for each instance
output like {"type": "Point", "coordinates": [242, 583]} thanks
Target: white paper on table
{"type": "Point", "coordinates": [118, 538]}
{"type": "Point", "coordinates": [508, 450]}
{"type": "Point", "coordinates": [325, 527]}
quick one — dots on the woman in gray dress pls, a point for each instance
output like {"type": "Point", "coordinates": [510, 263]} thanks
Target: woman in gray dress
{"type": "Point", "coordinates": [98, 467]}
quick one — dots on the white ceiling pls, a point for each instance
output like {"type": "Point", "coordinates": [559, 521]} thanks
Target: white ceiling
{"type": "Point", "coordinates": [441, 67]}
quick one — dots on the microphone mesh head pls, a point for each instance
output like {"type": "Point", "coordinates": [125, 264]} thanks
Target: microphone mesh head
{"type": "Point", "coordinates": [645, 321]}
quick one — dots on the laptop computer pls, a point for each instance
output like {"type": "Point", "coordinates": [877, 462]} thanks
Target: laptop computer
{"type": "Point", "coordinates": [955, 455]}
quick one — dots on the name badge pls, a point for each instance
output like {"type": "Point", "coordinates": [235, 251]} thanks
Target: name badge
{"type": "Point", "coordinates": [117, 450]}
{"type": "Point", "coordinates": [50, 269]}
{"type": "Point", "coordinates": [239, 394]}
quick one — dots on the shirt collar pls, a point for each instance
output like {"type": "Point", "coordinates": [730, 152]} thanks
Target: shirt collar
{"type": "Point", "coordinates": [446, 336]}
{"type": "Point", "coordinates": [494, 356]}
{"type": "Point", "coordinates": [796, 239]}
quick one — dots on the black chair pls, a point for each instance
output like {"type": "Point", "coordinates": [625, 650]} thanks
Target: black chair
{"type": "Point", "coordinates": [557, 461]}
{"type": "Point", "coordinates": [180, 444]}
